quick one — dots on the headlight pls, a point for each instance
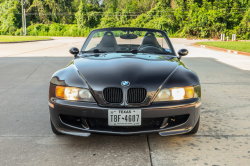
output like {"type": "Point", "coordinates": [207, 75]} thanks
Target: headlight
{"type": "Point", "coordinates": [175, 94]}
{"type": "Point", "coordinates": [74, 94]}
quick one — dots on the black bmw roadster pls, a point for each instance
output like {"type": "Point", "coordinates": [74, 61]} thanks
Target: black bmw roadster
{"type": "Point", "coordinates": [125, 81]}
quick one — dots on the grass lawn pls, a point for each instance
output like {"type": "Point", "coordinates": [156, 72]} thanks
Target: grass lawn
{"type": "Point", "coordinates": [231, 45]}
{"type": "Point", "coordinates": [21, 38]}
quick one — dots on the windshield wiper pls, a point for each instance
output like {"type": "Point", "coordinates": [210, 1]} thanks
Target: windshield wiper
{"type": "Point", "coordinates": [133, 51]}
{"type": "Point", "coordinates": [123, 51]}
{"type": "Point", "coordinates": [95, 51]}
{"type": "Point", "coordinates": [95, 55]}
{"type": "Point", "coordinates": [166, 53]}
{"type": "Point", "coordinates": [98, 51]}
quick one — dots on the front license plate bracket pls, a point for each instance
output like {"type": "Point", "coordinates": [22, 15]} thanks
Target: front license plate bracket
{"type": "Point", "coordinates": [124, 117]}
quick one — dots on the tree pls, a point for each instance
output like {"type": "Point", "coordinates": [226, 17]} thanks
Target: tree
{"type": "Point", "coordinates": [88, 15]}
{"type": "Point", "coordinates": [9, 21]}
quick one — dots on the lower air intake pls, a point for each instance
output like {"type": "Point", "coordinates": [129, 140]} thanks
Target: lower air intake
{"type": "Point", "coordinates": [146, 124]}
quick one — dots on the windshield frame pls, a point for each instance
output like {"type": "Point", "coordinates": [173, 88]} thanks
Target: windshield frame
{"type": "Point", "coordinates": [130, 29]}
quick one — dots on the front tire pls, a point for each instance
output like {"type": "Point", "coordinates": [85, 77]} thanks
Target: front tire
{"type": "Point", "coordinates": [195, 129]}
{"type": "Point", "coordinates": [54, 129]}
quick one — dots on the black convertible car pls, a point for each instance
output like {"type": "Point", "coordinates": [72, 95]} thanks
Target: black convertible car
{"type": "Point", "coordinates": [125, 81]}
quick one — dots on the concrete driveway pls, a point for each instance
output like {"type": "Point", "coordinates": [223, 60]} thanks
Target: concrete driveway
{"type": "Point", "coordinates": [26, 137]}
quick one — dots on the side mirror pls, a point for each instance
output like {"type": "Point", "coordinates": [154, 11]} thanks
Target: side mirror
{"type": "Point", "coordinates": [74, 51]}
{"type": "Point", "coordinates": [182, 52]}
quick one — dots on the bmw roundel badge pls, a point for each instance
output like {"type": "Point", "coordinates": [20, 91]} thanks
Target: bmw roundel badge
{"type": "Point", "coordinates": [125, 83]}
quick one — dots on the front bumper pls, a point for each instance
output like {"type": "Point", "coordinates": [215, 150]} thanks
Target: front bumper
{"type": "Point", "coordinates": [92, 110]}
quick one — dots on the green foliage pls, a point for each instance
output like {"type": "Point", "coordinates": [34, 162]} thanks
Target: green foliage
{"type": "Point", "coordinates": [203, 21]}
{"type": "Point", "coordinates": [180, 18]}
{"type": "Point", "coordinates": [87, 15]}
{"type": "Point", "coordinates": [12, 30]}
{"type": "Point", "coordinates": [51, 7]}
{"type": "Point", "coordinates": [8, 18]}
{"type": "Point", "coordinates": [156, 20]}
{"type": "Point", "coordinates": [55, 29]}
{"type": "Point", "coordinates": [244, 28]}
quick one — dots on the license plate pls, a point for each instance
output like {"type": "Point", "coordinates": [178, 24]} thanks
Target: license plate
{"type": "Point", "coordinates": [124, 117]}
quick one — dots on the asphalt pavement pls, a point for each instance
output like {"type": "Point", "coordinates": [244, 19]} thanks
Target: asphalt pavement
{"type": "Point", "coordinates": [26, 137]}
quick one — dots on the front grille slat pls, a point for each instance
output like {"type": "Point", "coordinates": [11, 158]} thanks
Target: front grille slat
{"type": "Point", "coordinates": [113, 95]}
{"type": "Point", "coordinates": [118, 95]}
{"type": "Point", "coordinates": [136, 95]}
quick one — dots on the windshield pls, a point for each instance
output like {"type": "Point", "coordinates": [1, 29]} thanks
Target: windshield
{"type": "Point", "coordinates": [110, 40]}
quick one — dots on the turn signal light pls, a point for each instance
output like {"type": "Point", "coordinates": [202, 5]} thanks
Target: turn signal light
{"type": "Point", "coordinates": [189, 92]}
{"type": "Point", "coordinates": [60, 91]}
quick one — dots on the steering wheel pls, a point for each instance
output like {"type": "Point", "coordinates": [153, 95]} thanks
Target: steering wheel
{"type": "Point", "coordinates": [129, 47]}
{"type": "Point", "coordinates": [150, 48]}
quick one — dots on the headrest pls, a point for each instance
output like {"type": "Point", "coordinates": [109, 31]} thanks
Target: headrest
{"type": "Point", "coordinates": [150, 39]}
{"type": "Point", "coordinates": [108, 39]}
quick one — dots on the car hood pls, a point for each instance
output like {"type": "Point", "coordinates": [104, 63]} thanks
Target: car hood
{"type": "Point", "coordinates": [148, 71]}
